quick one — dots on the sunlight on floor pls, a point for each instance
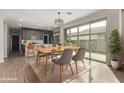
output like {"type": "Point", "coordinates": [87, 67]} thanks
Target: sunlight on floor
{"type": "Point", "coordinates": [96, 56]}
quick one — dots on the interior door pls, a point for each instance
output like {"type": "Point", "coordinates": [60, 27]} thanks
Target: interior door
{"type": "Point", "coordinates": [15, 43]}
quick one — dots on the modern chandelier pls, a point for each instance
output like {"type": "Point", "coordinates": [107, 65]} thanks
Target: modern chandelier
{"type": "Point", "coordinates": [59, 21]}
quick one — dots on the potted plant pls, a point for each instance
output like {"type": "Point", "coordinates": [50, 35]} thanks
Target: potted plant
{"type": "Point", "coordinates": [114, 48]}
{"type": "Point", "coordinates": [72, 43]}
{"type": "Point", "coordinates": [67, 43]}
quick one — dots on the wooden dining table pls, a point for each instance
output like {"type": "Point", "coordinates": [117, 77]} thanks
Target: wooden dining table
{"type": "Point", "coordinates": [47, 51]}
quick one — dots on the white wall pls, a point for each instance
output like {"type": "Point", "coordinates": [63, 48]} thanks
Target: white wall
{"type": "Point", "coordinates": [113, 21]}
{"type": "Point", "coordinates": [5, 38]}
{"type": "Point", "coordinates": [1, 40]}
{"type": "Point", "coordinates": [8, 41]}
{"type": "Point", "coordinates": [4, 43]}
{"type": "Point", "coordinates": [122, 35]}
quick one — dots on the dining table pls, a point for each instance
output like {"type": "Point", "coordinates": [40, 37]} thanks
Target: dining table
{"type": "Point", "coordinates": [49, 51]}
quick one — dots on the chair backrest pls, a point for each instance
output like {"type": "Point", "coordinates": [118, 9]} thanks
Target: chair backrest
{"type": "Point", "coordinates": [66, 56]}
{"type": "Point", "coordinates": [81, 53]}
{"type": "Point", "coordinates": [30, 45]}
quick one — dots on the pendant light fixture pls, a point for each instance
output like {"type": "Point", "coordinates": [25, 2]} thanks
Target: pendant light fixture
{"type": "Point", "coordinates": [59, 21]}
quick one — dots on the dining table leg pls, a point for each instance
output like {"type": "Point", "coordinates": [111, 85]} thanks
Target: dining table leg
{"type": "Point", "coordinates": [46, 65]}
{"type": "Point", "coordinates": [37, 58]}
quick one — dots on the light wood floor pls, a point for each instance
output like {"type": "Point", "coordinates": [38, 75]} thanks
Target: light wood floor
{"type": "Point", "coordinates": [17, 69]}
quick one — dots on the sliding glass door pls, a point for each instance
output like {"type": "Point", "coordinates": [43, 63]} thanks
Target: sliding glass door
{"type": "Point", "coordinates": [98, 41]}
{"type": "Point", "coordinates": [84, 38]}
{"type": "Point", "coordinates": [73, 37]}
{"type": "Point", "coordinates": [91, 36]}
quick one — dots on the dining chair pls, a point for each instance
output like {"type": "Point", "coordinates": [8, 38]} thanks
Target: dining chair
{"type": "Point", "coordinates": [30, 49]}
{"type": "Point", "coordinates": [40, 55]}
{"type": "Point", "coordinates": [79, 57]}
{"type": "Point", "coordinates": [56, 54]}
{"type": "Point", "coordinates": [65, 59]}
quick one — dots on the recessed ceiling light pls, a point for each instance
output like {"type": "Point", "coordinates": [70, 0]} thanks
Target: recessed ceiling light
{"type": "Point", "coordinates": [20, 19]}
{"type": "Point", "coordinates": [69, 13]}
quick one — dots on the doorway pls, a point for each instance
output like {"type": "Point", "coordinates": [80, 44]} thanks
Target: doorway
{"type": "Point", "coordinates": [46, 38]}
{"type": "Point", "coordinates": [15, 43]}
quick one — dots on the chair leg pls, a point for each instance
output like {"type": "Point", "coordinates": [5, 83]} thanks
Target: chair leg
{"type": "Point", "coordinates": [53, 67]}
{"type": "Point", "coordinates": [62, 68]}
{"type": "Point", "coordinates": [39, 60]}
{"type": "Point", "coordinates": [71, 69]}
{"type": "Point", "coordinates": [33, 52]}
{"type": "Point", "coordinates": [83, 64]}
{"type": "Point", "coordinates": [51, 57]}
{"type": "Point", "coordinates": [76, 67]}
{"type": "Point", "coordinates": [27, 53]}
{"type": "Point", "coordinates": [66, 67]}
{"type": "Point", "coordinates": [60, 73]}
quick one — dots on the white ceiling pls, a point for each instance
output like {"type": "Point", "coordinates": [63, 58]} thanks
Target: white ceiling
{"type": "Point", "coordinates": [45, 17]}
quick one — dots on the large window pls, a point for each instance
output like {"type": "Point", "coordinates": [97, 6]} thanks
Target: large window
{"type": "Point", "coordinates": [71, 36]}
{"type": "Point", "coordinates": [84, 38]}
{"type": "Point", "coordinates": [98, 41]}
{"type": "Point", "coordinates": [91, 36]}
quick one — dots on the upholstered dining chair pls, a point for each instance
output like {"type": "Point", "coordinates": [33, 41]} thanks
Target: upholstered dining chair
{"type": "Point", "coordinates": [56, 54]}
{"type": "Point", "coordinates": [65, 59]}
{"type": "Point", "coordinates": [79, 57]}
